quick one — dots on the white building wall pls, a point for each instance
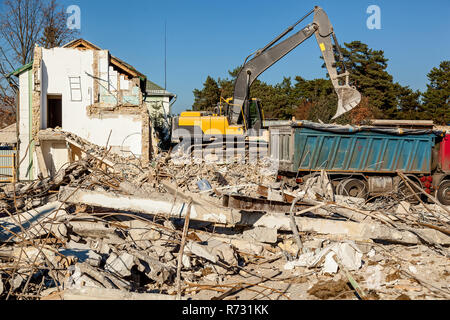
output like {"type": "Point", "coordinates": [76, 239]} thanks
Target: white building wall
{"type": "Point", "coordinates": [58, 65]}
{"type": "Point", "coordinates": [24, 125]}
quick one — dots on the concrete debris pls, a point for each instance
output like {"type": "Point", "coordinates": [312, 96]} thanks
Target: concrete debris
{"type": "Point", "coordinates": [403, 208]}
{"type": "Point", "coordinates": [346, 253]}
{"type": "Point", "coordinates": [106, 226]}
{"type": "Point", "coordinates": [201, 251]}
{"type": "Point", "coordinates": [120, 265]}
{"type": "Point", "coordinates": [89, 293]}
{"type": "Point", "coordinates": [261, 234]}
{"type": "Point", "coordinates": [376, 277]}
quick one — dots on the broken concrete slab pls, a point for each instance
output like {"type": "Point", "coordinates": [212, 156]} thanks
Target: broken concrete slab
{"type": "Point", "coordinates": [157, 204]}
{"type": "Point", "coordinates": [347, 253]}
{"type": "Point", "coordinates": [403, 208]}
{"type": "Point", "coordinates": [92, 229]}
{"type": "Point", "coordinates": [153, 268]}
{"type": "Point", "coordinates": [83, 255]}
{"type": "Point", "coordinates": [352, 201]}
{"type": "Point", "coordinates": [351, 230]}
{"type": "Point", "coordinates": [16, 281]}
{"type": "Point", "coordinates": [30, 224]}
{"type": "Point", "coordinates": [88, 293]}
{"type": "Point", "coordinates": [261, 234]}
{"type": "Point", "coordinates": [375, 278]}
{"type": "Point", "coordinates": [313, 244]}
{"type": "Point", "coordinates": [251, 247]}
{"type": "Point", "coordinates": [241, 202]}
{"type": "Point", "coordinates": [141, 231]}
{"type": "Point", "coordinates": [200, 251]}
{"type": "Point", "coordinates": [120, 264]}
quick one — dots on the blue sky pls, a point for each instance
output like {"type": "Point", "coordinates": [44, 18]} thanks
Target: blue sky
{"type": "Point", "coordinates": [210, 37]}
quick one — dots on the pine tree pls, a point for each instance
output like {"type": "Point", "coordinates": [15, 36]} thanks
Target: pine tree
{"type": "Point", "coordinates": [368, 74]}
{"type": "Point", "coordinates": [207, 98]}
{"type": "Point", "coordinates": [436, 98]}
{"type": "Point", "coordinates": [409, 106]}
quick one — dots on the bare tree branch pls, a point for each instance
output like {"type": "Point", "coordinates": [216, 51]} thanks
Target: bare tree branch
{"type": "Point", "coordinates": [23, 24]}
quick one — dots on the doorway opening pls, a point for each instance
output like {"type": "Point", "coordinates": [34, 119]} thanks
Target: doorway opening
{"type": "Point", "coordinates": [54, 111]}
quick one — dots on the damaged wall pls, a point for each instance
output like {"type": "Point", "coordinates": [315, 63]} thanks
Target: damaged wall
{"type": "Point", "coordinates": [86, 92]}
{"type": "Point", "coordinates": [60, 65]}
{"type": "Point", "coordinates": [25, 124]}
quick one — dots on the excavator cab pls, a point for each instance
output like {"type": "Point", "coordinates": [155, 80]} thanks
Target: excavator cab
{"type": "Point", "coordinates": [251, 115]}
{"type": "Point", "coordinates": [255, 116]}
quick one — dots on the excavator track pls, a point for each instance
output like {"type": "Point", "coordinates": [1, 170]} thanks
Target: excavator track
{"type": "Point", "coordinates": [224, 151]}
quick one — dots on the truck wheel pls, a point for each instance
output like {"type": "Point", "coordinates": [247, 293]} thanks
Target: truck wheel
{"type": "Point", "coordinates": [443, 193]}
{"type": "Point", "coordinates": [354, 188]}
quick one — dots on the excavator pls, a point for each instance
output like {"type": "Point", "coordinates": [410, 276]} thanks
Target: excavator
{"type": "Point", "coordinates": [241, 117]}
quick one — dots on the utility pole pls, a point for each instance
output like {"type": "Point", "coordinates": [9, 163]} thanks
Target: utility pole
{"type": "Point", "coordinates": [165, 55]}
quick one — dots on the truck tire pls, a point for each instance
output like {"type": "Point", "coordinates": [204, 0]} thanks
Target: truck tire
{"type": "Point", "coordinates": [443, 193]}
{"type": "Point", "coordinates": [354, 188]}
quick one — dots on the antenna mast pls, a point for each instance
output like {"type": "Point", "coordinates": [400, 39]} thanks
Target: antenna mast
{"type": "Point", "coordinates": [165, 55]}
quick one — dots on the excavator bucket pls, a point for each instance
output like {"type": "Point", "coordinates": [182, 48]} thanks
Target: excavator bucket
{"type": "Point", "coordinates": [348, 98]}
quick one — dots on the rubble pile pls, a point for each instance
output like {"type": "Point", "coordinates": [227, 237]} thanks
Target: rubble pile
{"type": "Point", "coordinates": [173, 230]}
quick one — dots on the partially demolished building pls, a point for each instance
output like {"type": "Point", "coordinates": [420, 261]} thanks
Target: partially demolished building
{"type": "Point", "coordinates": [84, 90]}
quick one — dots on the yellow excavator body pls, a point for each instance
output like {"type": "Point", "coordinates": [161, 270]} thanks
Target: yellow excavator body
{"type": "Point", "coordinates": [210, 124]}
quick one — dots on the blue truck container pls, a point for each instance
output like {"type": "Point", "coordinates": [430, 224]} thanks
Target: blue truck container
{"type": "Point", "coordinates": [308, 147]}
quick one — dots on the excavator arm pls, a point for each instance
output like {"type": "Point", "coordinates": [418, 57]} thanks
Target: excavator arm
{"type": "Point", "coordinates": [348, 97]}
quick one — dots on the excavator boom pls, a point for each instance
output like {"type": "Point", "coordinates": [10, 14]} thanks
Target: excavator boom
{"type": "Point", "coordinates": [348, 96]}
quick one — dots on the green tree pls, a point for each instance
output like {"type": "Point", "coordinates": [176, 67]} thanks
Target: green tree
{"type": "Point", "coordinates": [368, 74]}
{"type": "Point", "coordinates": [436, 98]}
{"type": "Point", "coordinates": [317, 96]}
{"type": "Point", "coordinates": [207, 98]}
{"type": "Point", "coordinates": [409, 106]}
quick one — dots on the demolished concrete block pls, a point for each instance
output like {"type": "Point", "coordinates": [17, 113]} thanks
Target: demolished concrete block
{"type": "Point", "coordinates": [274, 195]}
{"type": "Point", "coordinates": [313, 244]}
{"type": "Point", "coordinates": [87, 293]}
{"type": "Point", "coordinates": [352, 230]}
{"type": "Point", "coordinates": [223, 251]}
{"type": "Point", "coordinates": [158, 203]}
{"type": "Point", "coordinates": [16, 282]}
{"type": "Point", "coordinates": [83, 255]}
{"type": "Point", "coordinates": [92, 229]}
{"type": "Point", "coordinates": [346, 253]}
{"type": "Point", "coordinates": [35, 223]}
{"type": "Point", "coordinates": [289, 246]}
{"type": "Point", "coordinates": [349, 255]}
{"type": "Point", "coordinates": [403, 208]}
{"type": "Point", "coordinates": [120, 265]}
{"type": "Point", "coordinates": [376, 278]}
{"type": "Point", "coordinates": [261, 234]}
{"type": "Point", "coordinates": [168, 256]}
{"type": "Point", "coordinates": [186, 261]}
{"type": "Point", "coordinates": [330, 265]}
{"type": "Point", "coordinates": [252, 247]}
{"type": "Point", "coordinates": [153, 268]}
{"type": "Point", "coordinates": [140, 231]}
{"type": "Point", "coordinates": [200, 251]}
{"type": "Point", "coordinates": [350, 201]}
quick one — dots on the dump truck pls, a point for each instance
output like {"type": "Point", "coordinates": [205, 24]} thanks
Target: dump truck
{"type": "Point", "coordinates": [364, 161]}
